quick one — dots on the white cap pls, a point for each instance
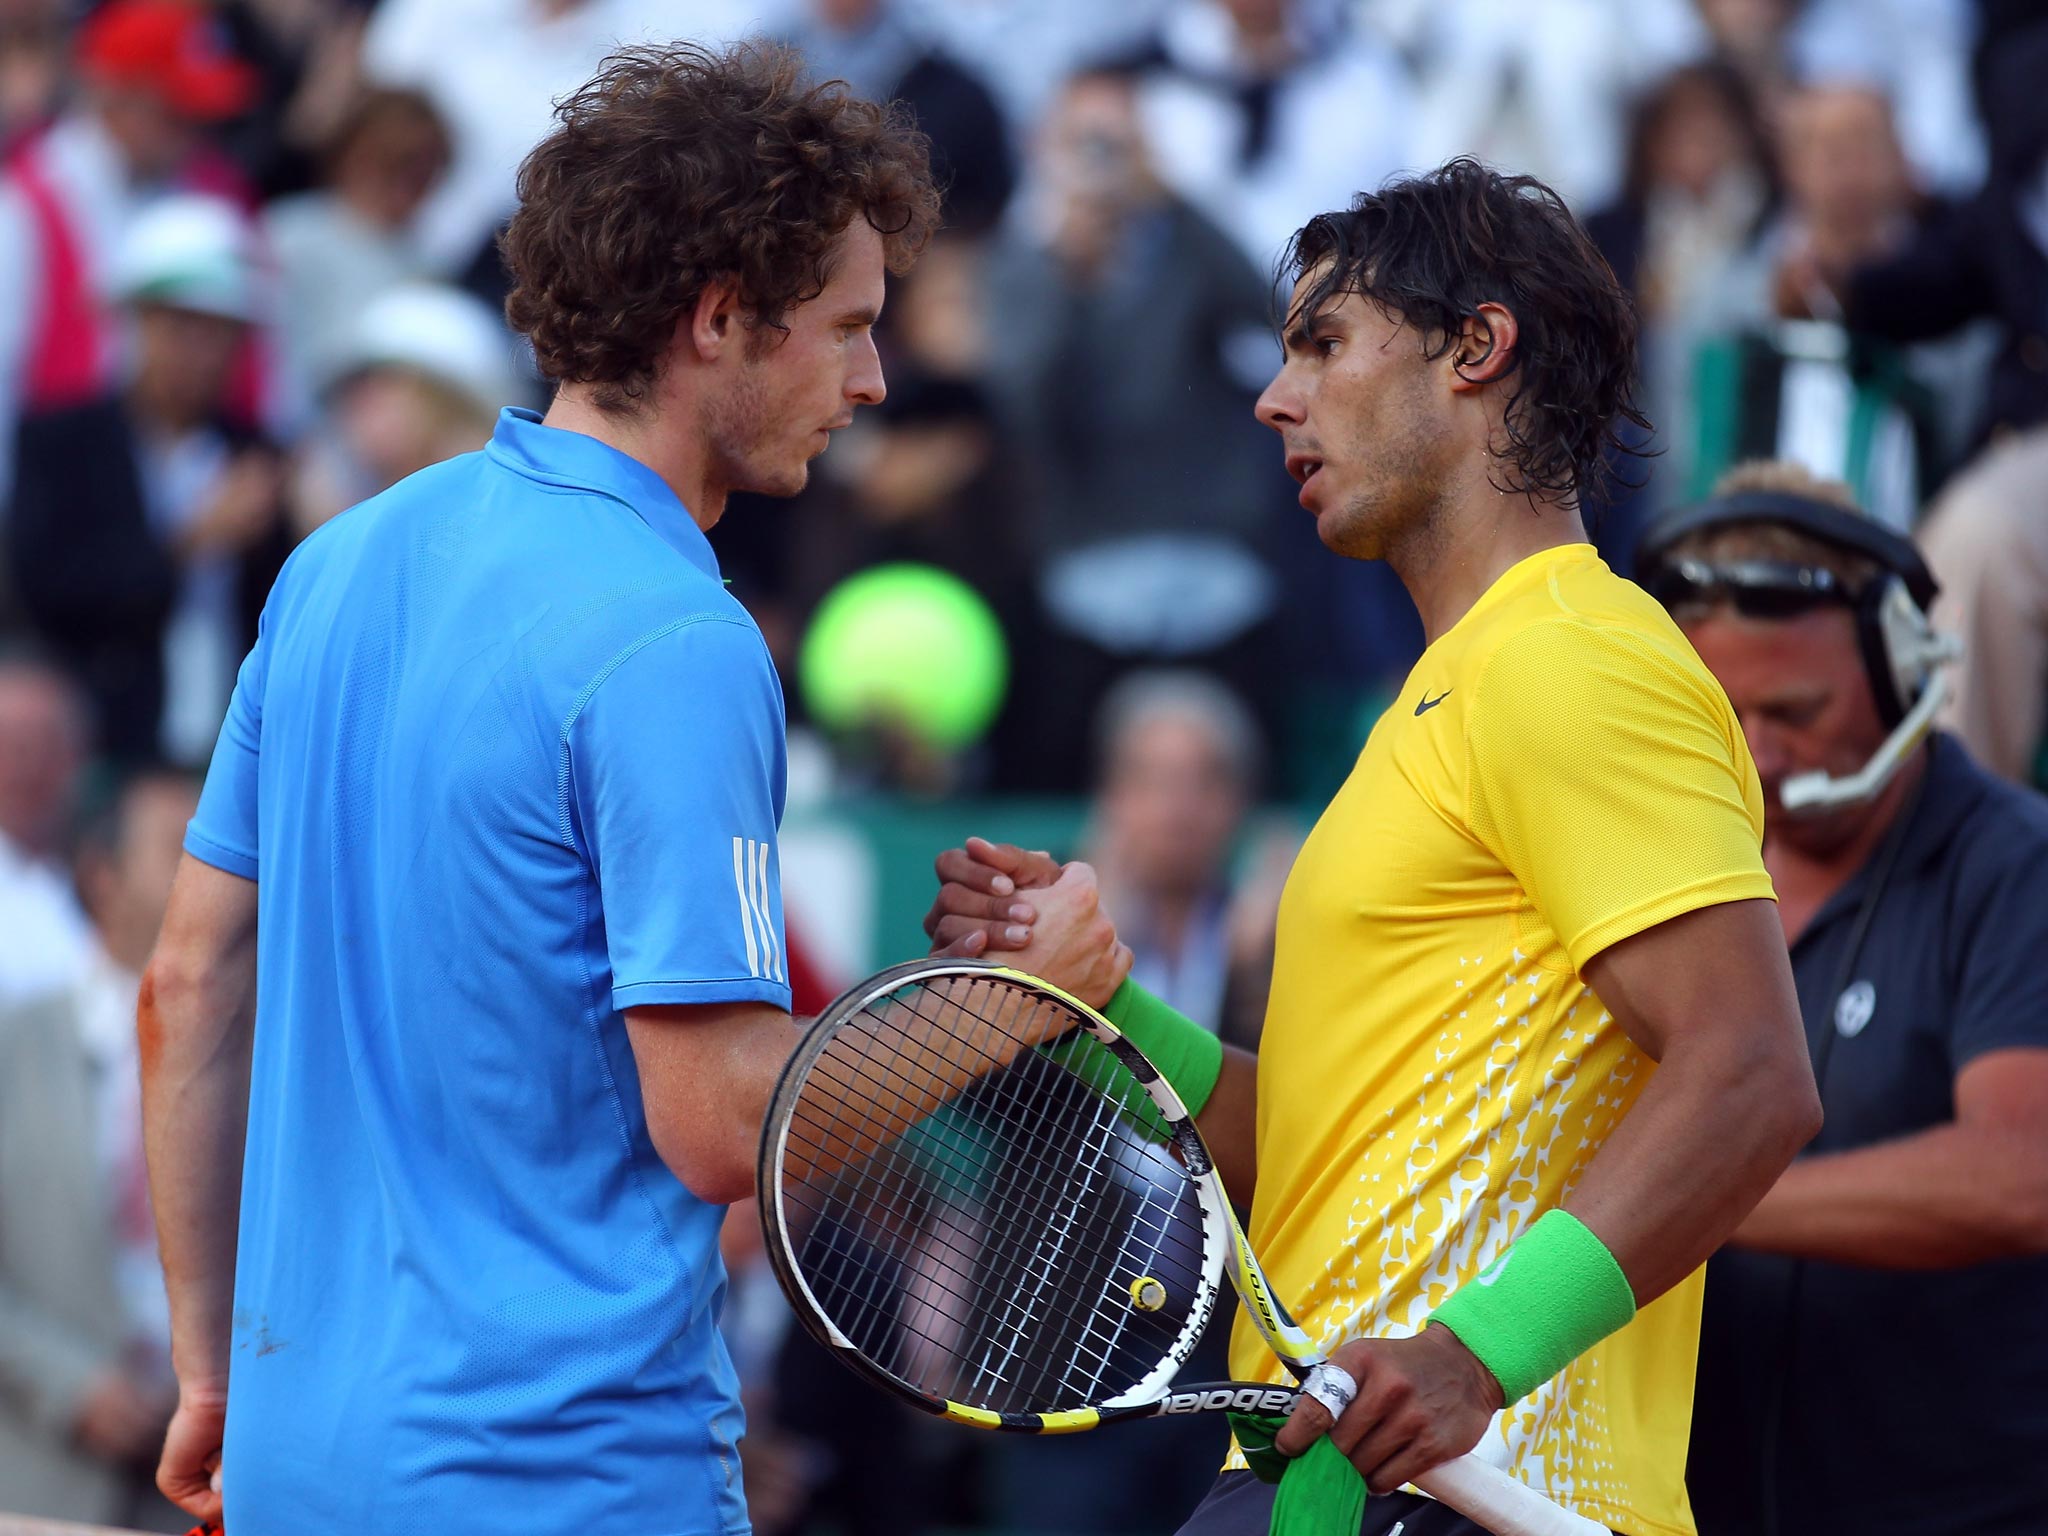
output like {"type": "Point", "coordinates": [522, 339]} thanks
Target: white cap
{"type": "Point", "coordinates": [188, 252]}
{"type": "Point", "coordinates": [444, 333]}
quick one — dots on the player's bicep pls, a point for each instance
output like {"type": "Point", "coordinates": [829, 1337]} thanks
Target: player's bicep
{"type": "Point", "coordinates": [198, 994]}
{"type": "Point", "coordinates": [211, 916]}
{"type": "Point", "coordinates": [676, 780]}
{"type": "Point", "coordinates": [706, 1071]}
{"type": "Point", "coordinates": [1721, 970]}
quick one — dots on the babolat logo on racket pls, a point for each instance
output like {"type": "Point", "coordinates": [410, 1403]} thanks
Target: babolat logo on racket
{"type": "Point", "coordinates": [1251, 1286]}
{"type": "Point", "coordinates": [1242, 1399]}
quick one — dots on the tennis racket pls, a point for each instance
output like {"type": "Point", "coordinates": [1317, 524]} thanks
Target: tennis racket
{"type": "Point", "coordinates": [985, 1200]}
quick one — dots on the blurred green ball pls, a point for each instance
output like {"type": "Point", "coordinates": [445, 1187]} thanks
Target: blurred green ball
{"type": "Point", "coordinates": [908, 645]}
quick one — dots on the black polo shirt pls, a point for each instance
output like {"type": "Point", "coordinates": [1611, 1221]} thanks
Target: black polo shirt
{"type": "Point", "coordinates": [1892, 1401]}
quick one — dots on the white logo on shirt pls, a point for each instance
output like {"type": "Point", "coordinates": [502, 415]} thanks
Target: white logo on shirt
{"type": "Point", "coordinates": [1854, 1008]}
{"type": "Point", "coordinates": [750, 884]}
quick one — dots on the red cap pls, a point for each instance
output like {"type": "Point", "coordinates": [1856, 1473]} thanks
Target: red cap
{"type": "Point", "coordinates": [172, 48]}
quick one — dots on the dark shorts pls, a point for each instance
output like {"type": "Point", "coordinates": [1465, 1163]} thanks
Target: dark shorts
{"type": "Point", "coordinates": [1238, 1504]}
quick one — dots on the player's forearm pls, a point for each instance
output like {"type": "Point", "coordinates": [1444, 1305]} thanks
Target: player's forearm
{"type": "Point", "coordinates": [1712, 1131]}
{"type": "Point", "coordinates": [195, 1023]}
{"type": "Point", "coordinates": [1941, 1199]}
{"type": "Point", "coordinates": [1229, 1123]}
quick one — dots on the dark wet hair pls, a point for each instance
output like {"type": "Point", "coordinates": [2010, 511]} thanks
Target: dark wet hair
{"type": "Point", "coordinates": [1430, 249]}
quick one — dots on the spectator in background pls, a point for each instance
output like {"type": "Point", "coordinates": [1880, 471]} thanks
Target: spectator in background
{"type": "Point", "coordinates": [1027, 49]}
{"type": "Point", "coordinates": [1149, 489]}
{"type": "Point", "coordinates": [154, 78]}
{"type": "Point", "coordinates": [306, 56]}
{"type": "Point", "coordinates": [85, 1381]}
{"type": "Point", "coordinates": [1849, 191]}
{"type": "Point", "coordinates": [494, 69]}
{"type": "Point", "coordinates": [1181, 768]}
{"type": "Point", "coordinates": [420, 379]}
{"type": "Point", "coordinates": [145, 526]}
{"type": "Point", "coordinates": [1914, 53]}
{"type": "Point", "coordinates": [1697, 185]}
{"type": "Point", "coordinates": [338, 248]}
{"type": "Point", "coordinates": [1261, 112]}
{"type": "Point", "coordinates": [1987, 536]}
{"type": "Point", "coordinates": [1902, 1258]}
{"type": "Point", "coordinates": [45, 739]}
{"type": "Point", "coordinates": [940, 321]}
{"type": "Point", "coordinates": [32, 67]}
{"type": "Point", "coordinates": [873, 46]}
{"type": "Point", "coordinates": [1753, 36]}
{"type": "Point", "coordinates": [1841, 401]}
{"type": "Point", "coordinates": [1542, 86]}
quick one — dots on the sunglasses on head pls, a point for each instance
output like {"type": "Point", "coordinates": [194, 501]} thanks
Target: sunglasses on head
{"type": "Point", "coordinates": [1756, 589]}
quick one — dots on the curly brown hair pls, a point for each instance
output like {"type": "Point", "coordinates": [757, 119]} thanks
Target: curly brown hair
{"type": "Point", "coordinates": [677, 166]}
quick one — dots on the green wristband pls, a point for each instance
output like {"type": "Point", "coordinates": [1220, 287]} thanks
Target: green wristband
{"type": "Point", "coordinates": [1551, 1297]}
{"type": "Point", "coordinates": [1187, 1055]}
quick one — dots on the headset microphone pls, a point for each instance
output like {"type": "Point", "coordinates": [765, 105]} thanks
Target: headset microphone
{"type": "Point", "coordinates": [1815, 794]}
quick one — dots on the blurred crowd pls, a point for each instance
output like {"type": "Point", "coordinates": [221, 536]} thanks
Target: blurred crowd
{"type": "Point", "coordinates": [249, 276]}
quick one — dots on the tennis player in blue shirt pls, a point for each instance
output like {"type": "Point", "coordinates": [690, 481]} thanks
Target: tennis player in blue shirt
{"type": "Point", "coordinates": [477, 949]}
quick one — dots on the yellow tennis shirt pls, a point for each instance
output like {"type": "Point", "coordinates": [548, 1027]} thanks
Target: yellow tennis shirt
{"type": "Point", "coordinates": [1559, 772]}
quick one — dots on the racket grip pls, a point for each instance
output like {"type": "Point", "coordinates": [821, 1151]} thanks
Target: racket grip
{"type": "Point", "coordinates": [1487, 1496]}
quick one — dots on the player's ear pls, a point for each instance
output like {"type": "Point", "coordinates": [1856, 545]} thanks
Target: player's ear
{"type": "Point", "coordinates": [716, 323]}
{"type": "Point", "coordinates": [1485, 348]}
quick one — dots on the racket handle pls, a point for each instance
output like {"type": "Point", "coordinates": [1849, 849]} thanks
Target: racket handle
{"type": "Point", "coordinates": [1484, 1494]}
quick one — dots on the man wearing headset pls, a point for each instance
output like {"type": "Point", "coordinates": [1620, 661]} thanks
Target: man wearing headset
{"type": "Point", "coordinates": [1874, 1354]}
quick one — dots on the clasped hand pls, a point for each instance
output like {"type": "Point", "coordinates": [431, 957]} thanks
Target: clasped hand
{"type": "Point", "coordinates": [1058, 931]}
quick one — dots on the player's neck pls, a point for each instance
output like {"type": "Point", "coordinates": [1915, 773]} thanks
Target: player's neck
{"type": "Point", "coordinates": [1449, 559]}
{"type": "Point", "coordinates": [679, 457]}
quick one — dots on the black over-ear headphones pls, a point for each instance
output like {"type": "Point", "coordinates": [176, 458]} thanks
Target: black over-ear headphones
{"type": "Point", "coordinates": [1900, 649]}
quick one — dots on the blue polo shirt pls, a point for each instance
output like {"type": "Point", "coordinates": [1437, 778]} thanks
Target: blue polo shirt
{"type": "Point", "coordinates": [505, 761]}
{"type": "Point", "coordinates": [1894, 1402]}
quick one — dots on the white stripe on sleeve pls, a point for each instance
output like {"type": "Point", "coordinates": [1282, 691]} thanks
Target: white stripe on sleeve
{"type": "Point", "coordinates": [770, 949]}
{"type": "Point", "coordinates": [742, 849]}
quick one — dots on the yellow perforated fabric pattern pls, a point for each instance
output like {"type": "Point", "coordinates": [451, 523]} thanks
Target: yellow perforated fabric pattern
{"type": "Point", "coordinates": [1559, 772]}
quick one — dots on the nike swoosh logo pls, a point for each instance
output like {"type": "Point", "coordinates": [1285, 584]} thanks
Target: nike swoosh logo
{"type": "Point", "coordinates": [1425, 705]}
{"type": "Point", "coordinates": [1494, 1270]}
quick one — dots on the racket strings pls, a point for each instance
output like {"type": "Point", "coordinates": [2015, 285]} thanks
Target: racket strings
{"type": "Point", "coordinates": [951, 1154]}
{"type": "Point", "coordinates": [995, 1367]}
{"type": "Point", "coordinates": [937, 1234]}
{"type": "Point", "coordinates": [973, 1213]}
{"type": "Point", "coordinates": [1107, 1141]}
{"type": "Point", "coordinates": [859, 1090]}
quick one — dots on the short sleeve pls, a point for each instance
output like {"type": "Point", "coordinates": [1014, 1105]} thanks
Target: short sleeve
{"type": "Point", "coordinates": [1606, 772]}
{"type": "Point", "coordinates": [223, 831]}
{"type": "Point", "coordinates": [1999, 986]}
{"type": "Point", "coordinates": [676, 773]}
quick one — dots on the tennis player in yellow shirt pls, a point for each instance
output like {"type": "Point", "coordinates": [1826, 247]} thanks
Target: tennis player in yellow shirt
{"type": "Point", "coordinates": [1532, 1048]}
